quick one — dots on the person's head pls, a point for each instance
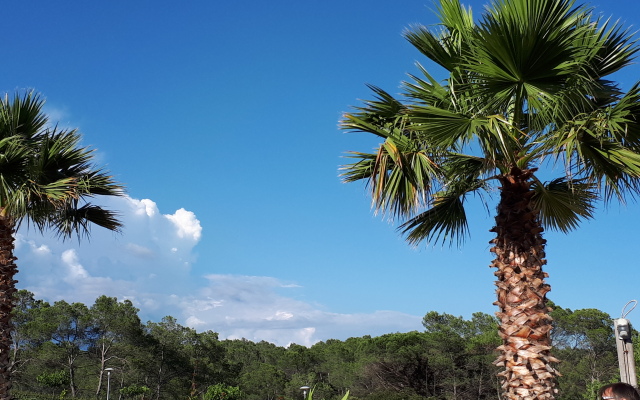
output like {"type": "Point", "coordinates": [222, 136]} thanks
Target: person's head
{"type": "Point", "coordinates": [618, 391]}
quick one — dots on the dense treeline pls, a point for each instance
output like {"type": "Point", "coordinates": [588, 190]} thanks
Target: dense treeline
{"type": "Point", "coordinates": [62, 350]}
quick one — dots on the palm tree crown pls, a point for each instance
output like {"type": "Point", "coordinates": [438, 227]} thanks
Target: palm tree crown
{"type": "Point", "coordinates": [527, 92]}
{"type": "Point", "coordinates": [46, 180]}
{"type": "Point", "coordinates": [45, 176]}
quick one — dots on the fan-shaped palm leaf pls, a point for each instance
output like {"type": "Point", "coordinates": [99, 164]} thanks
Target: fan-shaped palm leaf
{"type": "Point", "coordinates": [563, 204]}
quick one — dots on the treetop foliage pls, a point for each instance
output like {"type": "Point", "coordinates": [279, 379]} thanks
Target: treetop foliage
{"type": "Point", "coordinates": [59, 345]}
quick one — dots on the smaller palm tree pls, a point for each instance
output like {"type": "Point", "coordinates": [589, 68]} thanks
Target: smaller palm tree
{"type": "Point", "coordinates": [46, 180]}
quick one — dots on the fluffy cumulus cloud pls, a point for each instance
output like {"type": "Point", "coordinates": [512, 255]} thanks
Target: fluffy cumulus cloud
{"type": "Point", "coordinates": [150, 262]}
{"type": "Point", "coordinates": [147, 262]}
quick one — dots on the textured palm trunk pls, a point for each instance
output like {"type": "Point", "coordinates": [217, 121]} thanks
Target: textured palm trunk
{"type": "Point", "coordinates": [524, 320]}
{"type": "Point", "coordinates": [8, 269]}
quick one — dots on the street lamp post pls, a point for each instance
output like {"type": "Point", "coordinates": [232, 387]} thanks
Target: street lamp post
{"type": "Point", "coordinates": [304, 389]}
{"type": "Point", "coordinates": [108, 380]}
{"type": "Point", "coordinates": [624, 346]}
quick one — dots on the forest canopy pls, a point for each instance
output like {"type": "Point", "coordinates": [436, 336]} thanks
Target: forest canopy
{"type": "Point", "coordinates": [63, 349]}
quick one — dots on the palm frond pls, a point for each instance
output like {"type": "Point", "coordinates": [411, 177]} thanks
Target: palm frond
{"type": "Point", "coordinates": [610, 49]}
{"type": "Point", "coordinates": [446, 46]}
{"type": "Point", "coordinates": [361, 169]}
{"type": "Point", "coordinates": [445, 219]}
{"type": "Point", "coordinates": [400, 175]}
{"type": "Point", "coordinates": [595, 146]}
{"type": "Point", "coordinates": [381, 116]}
{"type": "Point", "coordinates": [525, 50]}
{"type": "Point", "coordinates": [466, 168]}
{"type": "Point", "coordinates": [74, 219]}
{"type": "Point", "coordinates": [97, 182]}
{"type": "Point", "coordinates": [562, 204]}
{"type": "Point", "coordinates": [45, 175]}
{"type": "Point", "coordinates": [428, 91]}
{"type": "Point", "coordinates": [623, 119]}
{"type": "Point", "coordinates": [442, 127]}
{"type": "Point", "coordinates": [22, 115]}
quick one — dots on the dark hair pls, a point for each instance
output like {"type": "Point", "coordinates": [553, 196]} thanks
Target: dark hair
{"type": "Point", "coordinates": [620, 391]}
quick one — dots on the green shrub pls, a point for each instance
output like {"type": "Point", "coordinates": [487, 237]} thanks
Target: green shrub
{"type": "Point", "coordinates": [134, 390]}
{"type": "Point", "coordinates": [53, 379]}
{"type": "Point", "coordinates": [221, 391]}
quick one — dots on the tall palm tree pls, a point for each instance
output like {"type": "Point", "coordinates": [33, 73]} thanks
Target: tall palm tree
{"type": "Point", "coordinates": [46, 179]}
{"type": "Point", "coordinates": [526, 97]}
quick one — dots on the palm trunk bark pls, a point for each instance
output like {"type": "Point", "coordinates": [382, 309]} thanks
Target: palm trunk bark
{"type": "Point", "coordinates": [8, 270]}
{"type": "Point", "coordinates": [521, 290]}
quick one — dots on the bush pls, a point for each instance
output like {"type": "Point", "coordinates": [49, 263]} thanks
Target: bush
{"type": "Point", "coordinates": [221, 391]}
{"type": "Point", "coordinates": [134, 390]}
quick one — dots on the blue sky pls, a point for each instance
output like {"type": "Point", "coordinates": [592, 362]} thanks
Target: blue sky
{"type": "Point", "coordinates": [221, 120]}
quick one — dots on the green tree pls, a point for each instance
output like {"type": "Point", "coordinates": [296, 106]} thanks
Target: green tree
{"type": "Point", "coordinates": [400, 365]}
{"type": "Point", "coordinates": [46, 179]}
{"type": "Point", "coordinates": [243, 356]}
{"type": "Point", "coordinates": [460, 354]}
{"type": "Point", "coordinates": [169, 365]}
{"type": "Point", "coordinates": [67, 326]}
{"type": "Point", "coordinates": [585, 341]}
{"type": "Point", "coordinates": [337, 364]}
{"type": "Point", "coordinates": [114, 327]}
{"type": "Point", "coordinates": [206, 359]}
{"type": "Point", "coordinates": [297, 359]}
{"type": "Point", "coordinates": [526, 97]}
{"type": "Point", "coordinates": [25, 313]}
{"type": "Point", "coordinates": [262, 381]}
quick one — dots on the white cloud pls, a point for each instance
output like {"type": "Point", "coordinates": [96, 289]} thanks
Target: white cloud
{"type": "Point", "coordinates": [187, 224]}
{"type": "Point", "coordinates": [75, 271]}
{"type": "Point", "coordinates": [250, 307]}
{"type": "Point", "coordinates": [145, 207]}
{"type": "Point", "coordinates": [139, 250]}
{"type": "Point", "coordinates": [150, 263]}
{"type": "Point", "coordinates": [195, 322]}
